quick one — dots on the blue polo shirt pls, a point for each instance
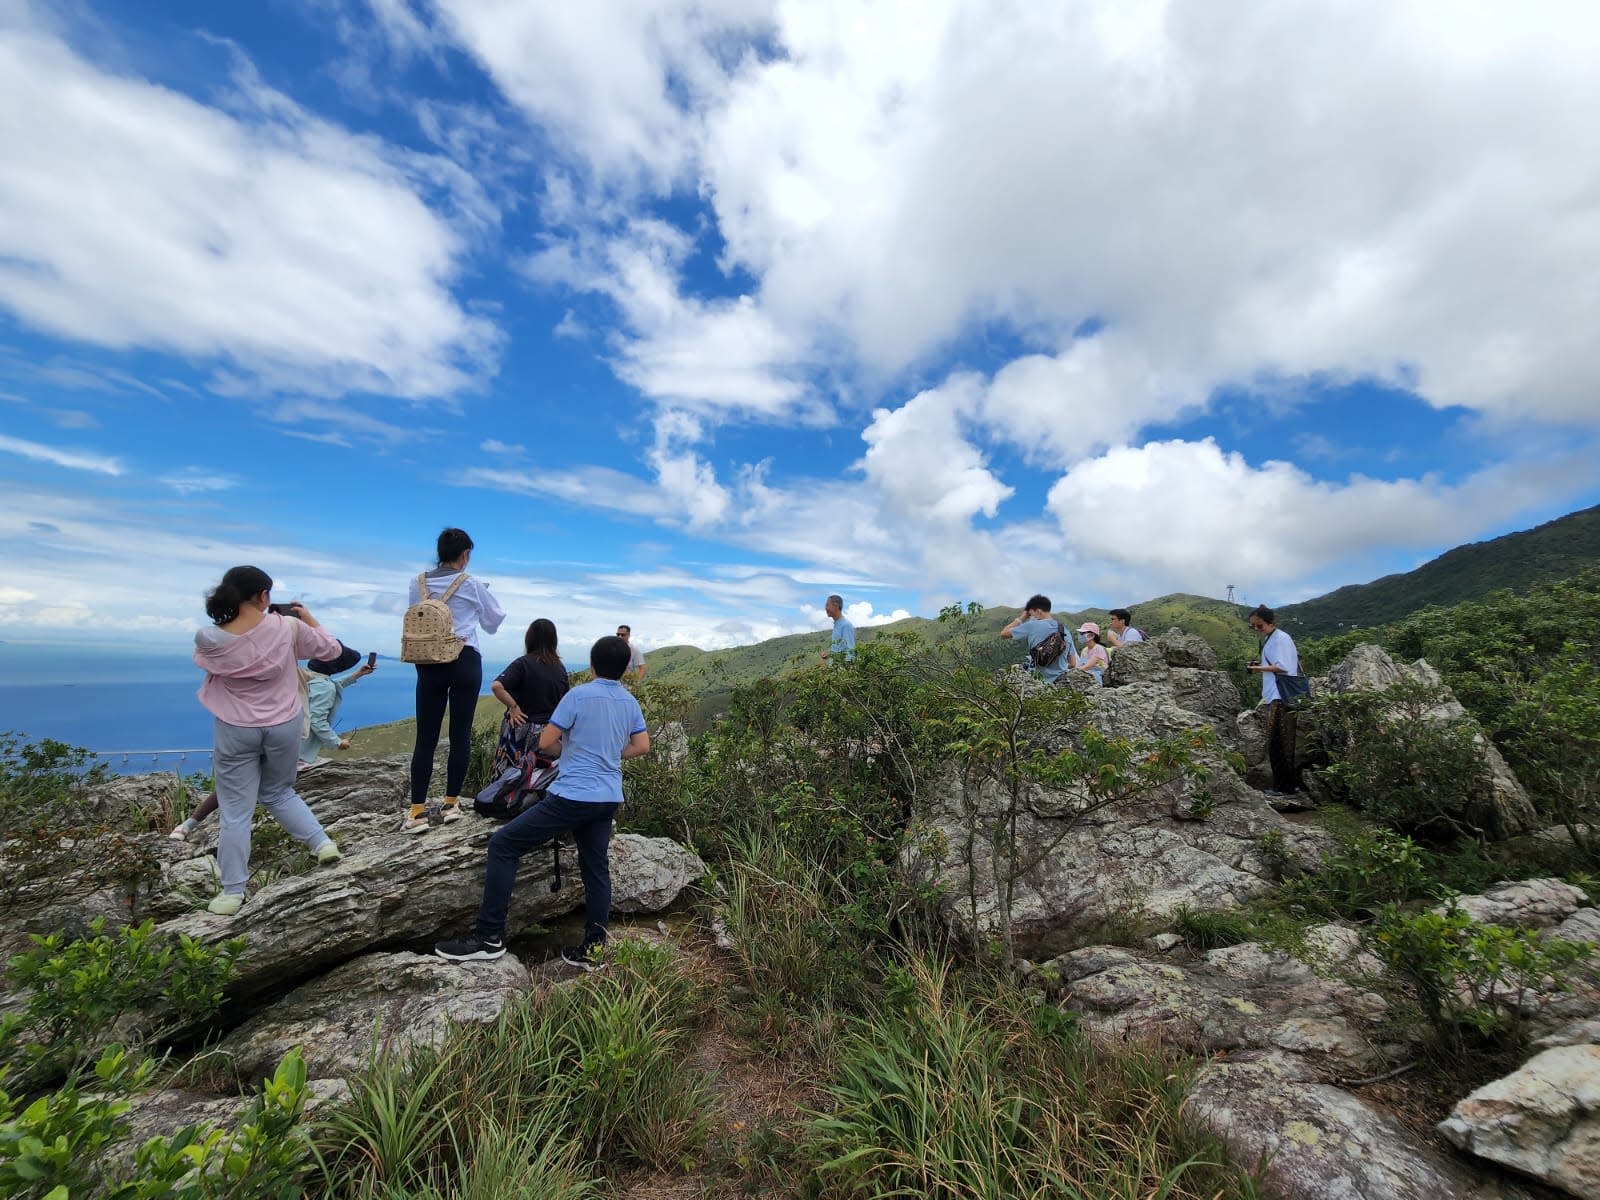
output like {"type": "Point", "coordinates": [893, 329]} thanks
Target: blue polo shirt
{"type": "Point", "coordinates": [596, 721]}
{"type": "Point", "coordinates": [843, 642]}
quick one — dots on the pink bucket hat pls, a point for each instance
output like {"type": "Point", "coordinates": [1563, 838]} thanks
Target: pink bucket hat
{"type": "Point", "coordinates": [1090, 627]}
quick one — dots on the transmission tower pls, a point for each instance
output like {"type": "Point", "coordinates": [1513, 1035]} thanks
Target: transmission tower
{"type": "Point", "coordinates": [1230, 593]}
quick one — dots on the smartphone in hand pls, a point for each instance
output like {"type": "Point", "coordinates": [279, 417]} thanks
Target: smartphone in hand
{"type": "Point", "coordinates": [372, 660]}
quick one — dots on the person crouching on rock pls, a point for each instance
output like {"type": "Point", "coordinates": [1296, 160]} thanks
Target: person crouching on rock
{"type": "Point", "coordinates": [251, 659]}
{"type": "Point", "coordinates": [593, 729]}
{"type": "Point", "coordinates": [323, 695]}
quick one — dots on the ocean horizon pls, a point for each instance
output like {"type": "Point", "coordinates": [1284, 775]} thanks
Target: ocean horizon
{"type": "Point", "coordinates": [124, 704]}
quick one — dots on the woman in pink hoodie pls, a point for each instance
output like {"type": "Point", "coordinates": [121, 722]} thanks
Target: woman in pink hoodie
{"type": "Point", "coordinates": [252, 687]}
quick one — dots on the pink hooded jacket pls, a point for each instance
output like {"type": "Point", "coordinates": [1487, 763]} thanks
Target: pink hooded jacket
{"type": "Point", "coordinates": [251, 678]}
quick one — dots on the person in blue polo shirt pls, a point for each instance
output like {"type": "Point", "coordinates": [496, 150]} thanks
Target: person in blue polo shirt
{"type": "Point", "coordinates": [593, 729]}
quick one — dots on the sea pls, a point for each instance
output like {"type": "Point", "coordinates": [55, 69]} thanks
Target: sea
{"type": "Point", "coordinates": [138, 709]}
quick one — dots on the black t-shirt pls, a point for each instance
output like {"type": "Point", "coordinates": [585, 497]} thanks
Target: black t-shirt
{"type": "Point", "coordinates": [536, 687]}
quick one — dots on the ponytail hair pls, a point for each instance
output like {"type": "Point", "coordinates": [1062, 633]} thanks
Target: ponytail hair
{"type": "Point", "coordinates": [238, 585]}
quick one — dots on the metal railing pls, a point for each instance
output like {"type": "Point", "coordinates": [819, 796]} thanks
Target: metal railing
{"type": "Point", "coordinates": [155, 756]}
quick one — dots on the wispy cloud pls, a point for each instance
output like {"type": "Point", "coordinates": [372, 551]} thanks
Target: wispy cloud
{"type": "Point", "coordinates": [75, 460]}
{"type": "Point", "coordinates": [194, 480]}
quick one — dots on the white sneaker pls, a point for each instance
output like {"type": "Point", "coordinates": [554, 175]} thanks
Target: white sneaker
{"type": "Point", "coordinates": [450, 812]}
{"type": "Point", "coordinates": [328, 853]}
{"type": "Point", "coordinates": [417, 824]}
{"type": "Point", "coordinates": [226, 904]}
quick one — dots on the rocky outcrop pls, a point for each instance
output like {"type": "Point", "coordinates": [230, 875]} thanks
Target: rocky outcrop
{"type": "Point", "coordinates": [1292, 1037]}
{"type": "Point", "coordinates": [1138, 861]}
{"type": "Point", "coordinates": [1503, 810]}
{"type": "Point", "coordinates": [395, 889]}
{"type": "Point", "coordinates": [1526, 904]}
{"type": "Point", "coordinates": [1542, 1120]}
{"type": "Point", "coordinates": [392, 890]}
{"type": "Point", "coordinates": [1241, 998]}
{"type": "Point", "coordinates": [1138, 662]}
{"type": "Point", "coordinates": [375, 1003]}
{"type": "Point", "coordinates": [1314, 1141]}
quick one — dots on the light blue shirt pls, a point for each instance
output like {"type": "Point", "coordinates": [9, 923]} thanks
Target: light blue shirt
{"type": "Point", "coordinates": [1036, 631]}
{"type": "Point", "coordinates": [844, 639]}
{"type": "Point", "coordinates": [596, 720]}
{"type": "Point", "coordinates": [1278, 651]}
{"type": "Point", "coordinates": [472, 605]}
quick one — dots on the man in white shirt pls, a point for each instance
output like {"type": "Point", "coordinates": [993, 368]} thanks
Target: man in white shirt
{"type": "Point", "coordinates": [635, 655]}
{"type": "Point", "coordinates": [1121, 631]}
{"type": "Point", "coordinates": [1278, 657]}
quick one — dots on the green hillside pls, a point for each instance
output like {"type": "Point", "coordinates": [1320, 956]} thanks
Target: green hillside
{"type": "Point", "coordinates": [1558, 549]}
{"type": "Point", "coordinates": [712, 674]}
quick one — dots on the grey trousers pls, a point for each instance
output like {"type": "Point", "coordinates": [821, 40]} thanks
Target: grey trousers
{"type": "Point", "coordinates": [256, 766]}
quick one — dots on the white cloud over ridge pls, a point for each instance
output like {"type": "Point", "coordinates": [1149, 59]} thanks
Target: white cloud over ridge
{"type": "Point", "coordinates": [1161, 199]}
{"type": "Point", "coordinates": [268, 239]}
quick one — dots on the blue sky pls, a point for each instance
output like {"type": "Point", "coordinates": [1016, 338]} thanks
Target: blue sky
{"type": "Point", "coordinates": [694, 313]}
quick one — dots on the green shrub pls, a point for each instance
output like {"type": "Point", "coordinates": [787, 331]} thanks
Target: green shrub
{"type": "Point", "coordinates": [1374, 868]}
{"type": "Point", "coordinates": [54, 1148]}
{"type": "Point", "coordinates": [1470, 980]}
{"type": "Point", "coordinates": [77, 990]}
{"type": "Point", "coordinates": [1397, 762]}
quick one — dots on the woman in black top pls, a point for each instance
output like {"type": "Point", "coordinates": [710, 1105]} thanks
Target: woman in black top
{"type": "Point", "coordinates": [530, 688]}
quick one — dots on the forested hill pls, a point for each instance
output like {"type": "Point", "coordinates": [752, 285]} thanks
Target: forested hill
{"type": "Point", "coordinates": [1558, 549]}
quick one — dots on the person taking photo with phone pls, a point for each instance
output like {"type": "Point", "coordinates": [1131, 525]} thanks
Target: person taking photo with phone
{"type": "Point", "coordinates": [250, 654]}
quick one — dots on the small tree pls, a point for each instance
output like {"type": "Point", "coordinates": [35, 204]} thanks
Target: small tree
{"type": "Point", "coordinates": [1397, 758]}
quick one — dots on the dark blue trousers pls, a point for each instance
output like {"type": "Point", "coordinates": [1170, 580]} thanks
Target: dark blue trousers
{"type": "Point", "coordinates": [554, 816]}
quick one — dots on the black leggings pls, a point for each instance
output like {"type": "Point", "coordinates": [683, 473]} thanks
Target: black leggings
{"type": "Point", "coordinates": [438, 684]}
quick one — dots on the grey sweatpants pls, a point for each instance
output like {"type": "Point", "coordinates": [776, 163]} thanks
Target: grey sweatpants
{"type": "Point", "coordinates": [256, 766]}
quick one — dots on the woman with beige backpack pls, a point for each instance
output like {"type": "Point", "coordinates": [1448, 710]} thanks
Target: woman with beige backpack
{"type": "Point", "coordinates": [447, 608]}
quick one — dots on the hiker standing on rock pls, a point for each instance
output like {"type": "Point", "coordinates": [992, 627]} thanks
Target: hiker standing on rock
{"type": "Point", "coordinates": [449, 671]}
{"type": "Point", "coordinates": [530, 688]}
{"type": "Point", "coordinates": [250, 655]}
{"type": "Point", "coordinates": [1279, 659]}
{"type": "Point", "coordinates": [593, 729]}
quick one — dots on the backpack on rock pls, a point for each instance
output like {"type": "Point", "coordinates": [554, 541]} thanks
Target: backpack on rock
{"type": "Point", "coordinates": [429, 632]}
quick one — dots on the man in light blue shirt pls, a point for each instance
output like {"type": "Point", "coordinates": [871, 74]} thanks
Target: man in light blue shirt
{"type": "Point", "coordinates": [593, 729]}
{"type": "Point", "coordinates": [1032, 625]}
{"type": "Point", "coordinates": [842, 644]}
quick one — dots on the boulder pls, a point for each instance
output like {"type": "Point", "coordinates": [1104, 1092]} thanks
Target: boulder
{"type": "Point", "coordinates": [1526, 904]}
{"type": "Point", "coordinates": [1504, 809]}
{"type": "Point", "coordinates": [1137, 662]}
{"type": "Point", "coordinates": [1241, 998]}
{"type": "Point", "coordinates": [1181, 649]}
{"type": "Point", "coordinates": [1212, 695]}
{"type": "Point", "coordinates": [1314, 1141]}
{"type": "Point", "coordinates": [1135, 863]}
{"type": "Point", "coordinates": [378, 1002]}
{"type": "Point", "coordinates": [392, 890]}
{"type": "Point", "coordinates": [395, 890]}
{"type": "Point", "coordinates": [1543, 1120]}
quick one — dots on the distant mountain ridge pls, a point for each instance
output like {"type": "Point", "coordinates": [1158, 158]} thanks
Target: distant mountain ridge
{"type": "Point", "coordinates": [1555, 550]}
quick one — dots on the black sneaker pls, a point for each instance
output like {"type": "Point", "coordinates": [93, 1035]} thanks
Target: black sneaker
{"type": "Point", "coordinates": [585, 957]}
{"type": "Point", "coordinates": [470, 949]}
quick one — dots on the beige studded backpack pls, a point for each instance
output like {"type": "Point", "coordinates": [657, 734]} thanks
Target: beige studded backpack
{"type": "Point", "coordinates": [429, 633]}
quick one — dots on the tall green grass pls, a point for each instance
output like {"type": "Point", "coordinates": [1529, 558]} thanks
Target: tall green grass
{"type": "Point", "coordinates": [599, 1067]}
{"type": "Point", "coordinates": [988, 1097]}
